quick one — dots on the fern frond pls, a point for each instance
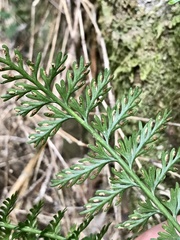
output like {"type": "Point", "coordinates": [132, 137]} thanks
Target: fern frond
{"type": "Point", "coordinates": [45, 130]}
{"type": "Point", "coordinates": [75, 80]}
{"type": "Point", "coordinates": [67, 106]}
{"type": "Point", "coordinates": [173, 204]}
{"type": "Point", "coordinates": [76, 232]}
{"type": "Point", "coordinates": [131, 147]}
{"type": "Point", "coordinates": [115, 118]}
{"type": "Point", "coordinates": [29, 229]}
{"type": "Point", "coordinates": [30, 223]}
{"type": "Point", "coordinates": [98, 236]}
{"type": "Point", "coordinates": [153, 176]}
{"type": "Point", "coordinates": [94, 95]}
{"type": "Point", "coordinates": [78, 173]}
{"type": "Point", "coordinates": [140, 216]}
{"type": "Point", "coordinates": [5, 210]}
{"type": "Point", "coordinates": [54, 227]}
{"type": "Point", "coordinates": [103, 198]}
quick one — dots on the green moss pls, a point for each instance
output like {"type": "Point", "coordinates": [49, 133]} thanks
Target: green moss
{"type": "Point", "coordinates": [144, 50]}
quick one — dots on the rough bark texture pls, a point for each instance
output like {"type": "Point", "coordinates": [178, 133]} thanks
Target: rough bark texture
{"type": "Point", "coordinates": [143, 43]}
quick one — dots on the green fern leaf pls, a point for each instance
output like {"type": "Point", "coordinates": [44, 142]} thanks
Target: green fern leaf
{"type": "Point", "coordinates": [78, 173]}
{"type": "Point", "coordinates": [140, 216]}
{"type": "Point", "coordinates": [45, 130]}
{"type": "Point", "coordinates": [53, 228]}
{"type": "Point", "coordinates": [153, 176]}
{"type": "Point", "coordinates": [173, 204]}
{"type": "Point", "coordinates": [75, 234]}
{"type": "Point", "coordinates": [5, 209]}
{"type": "Point", "coordinates": [132, 147]}
{"type": "Point", "coordinates": [75, 80]}
{"type": "Point", "coordinates": [170, 233]}
{"type": "Point", "coordinates": [67, 106]}
{"type": "Point", "coordinates": [98, 236]}
{"type": "Point", "coordinates": [30, 223]}
{"type": "Point", "coordinates": [149, 176]}
{"type": "Point", "coordinates": [121, 111]}
{"type": "Point", "coordinates": [103, 198]}
{"type": "Point", "coordinates": [94, 95]}
{"type": "Point", "coordinates": [56, 69]}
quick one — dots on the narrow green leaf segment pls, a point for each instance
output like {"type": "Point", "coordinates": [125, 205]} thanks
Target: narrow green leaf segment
{"type": "Point", "coordinates": [171, 2]}
{"type": "Point", "coordinates": [34, 87]}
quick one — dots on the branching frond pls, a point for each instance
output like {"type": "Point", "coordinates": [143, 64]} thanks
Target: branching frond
{"type": "Point", "coordinates": [29, 229]}
{"type": "Point", "coordinates": [45, 130]}
{"type": "Point", "coordinates": [140, 216]}
{"type": "Point", "coordinates": [75, 80]}
{"type": "Point", "coordinates": [78, 173]}
{"type": "Point", "coordinates": [94, 95]}
{"type": "Point", "coordinates": [29, 223]}
{"type": "Point", "coordinates": [173, 204]}
{"type": "Point", "coordinates": [107, 124]}
{"type": "Point", "coordinates": [54, 227]}
{"type": "Point", "coordinates": [153, 176]}
{"type": "Point", "coordinates": [103, 198]}
{"type": "Point", "coordinates": [98, 236]}
{"type": "Point", "coordinates": [82, 226]}
{"type": "Point", "coordinates": [35, 91]}
{"type": "Point", "coordinates": [5, 210]}
{"type": "Point", "coordinates": [131, 147]}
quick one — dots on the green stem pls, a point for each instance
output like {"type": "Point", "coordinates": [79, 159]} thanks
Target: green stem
{"type": "Point", "coordinates": [31, 231]}
{"type": "Point", "coordinates": [123, 164]}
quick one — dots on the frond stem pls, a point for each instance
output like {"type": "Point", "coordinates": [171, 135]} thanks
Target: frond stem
{"type": "Point", "coordinates": [123, 164]}
{"type": "Point", "coordinates": [31, 230]}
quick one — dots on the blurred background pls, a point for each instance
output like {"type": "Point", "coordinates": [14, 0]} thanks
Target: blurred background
{"type": "Point", "coordinates": [139, 42]}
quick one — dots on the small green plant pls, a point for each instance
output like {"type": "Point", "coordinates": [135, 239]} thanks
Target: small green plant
{"type": "Point", "coordinates": [37, 93]}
